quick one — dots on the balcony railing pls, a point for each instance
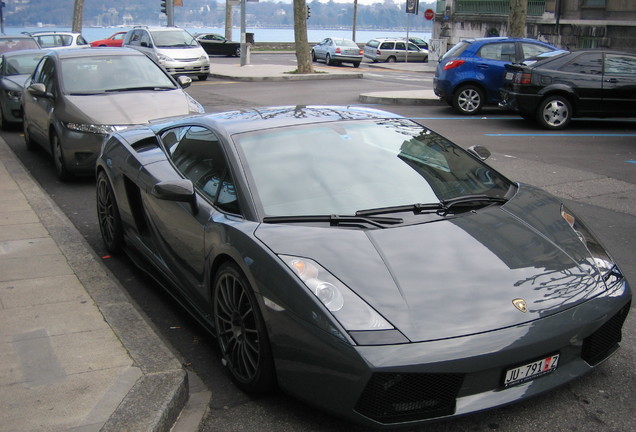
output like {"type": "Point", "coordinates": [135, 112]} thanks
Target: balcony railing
{"type": "Point", "coordinates": [495, 7]}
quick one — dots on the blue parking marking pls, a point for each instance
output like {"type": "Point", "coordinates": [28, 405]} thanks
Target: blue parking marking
{"type": "Point", "coordinates": [631, 161]}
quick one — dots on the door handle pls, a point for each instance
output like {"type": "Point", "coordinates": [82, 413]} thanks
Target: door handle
{"type": "Point", "coordinates": [611, 80]}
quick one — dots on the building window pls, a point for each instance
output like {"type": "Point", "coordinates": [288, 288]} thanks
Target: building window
{"type": "Point", "coordinates": [594, 3]}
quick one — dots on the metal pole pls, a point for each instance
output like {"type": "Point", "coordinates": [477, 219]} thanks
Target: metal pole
{"type": "Point", "coordinates": [355, 15]}
{"type": "Point", "coordinates": [244, 47]}
{"type": "Point", "coordinates": [408, 25]}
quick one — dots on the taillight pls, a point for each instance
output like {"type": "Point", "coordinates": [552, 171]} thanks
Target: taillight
{"type": "Point", "coordinates": [522, 78]}
{"type": "Point", "coordinates": [338, 50]}
{"type": "Point", "coordinates": [360, 52]}
{"type": "Point", "coordinates": [452, 64]}
{"type": "Point", "coordinates": [378, 52]}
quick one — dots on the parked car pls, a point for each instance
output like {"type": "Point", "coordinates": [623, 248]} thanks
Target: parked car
{"type": "Point", "coordinates": [421, 43]}
{"type": "Point", "coordinates": [17, 42]}
{"type": "Point", "coordinates": [393, 50]}
{"type": "Point", "coordinates": [15, 69]}
{"type": "Point", "coordinates": [214, 43]}
{"type": "Point", "coordinates": [337, 51]}
{"type": "Point", "coordinates": [173, 48]}
{"type": "Point", "coordinates": [75, 97]}
{"type": "Point", "coordinates": [553, 90]}
{"type": "Point", "coordinates": [59, 39]}
{"type": "Point", "coordinates": [470, 74]}
{"type": "Point", "coordinates": [115, 40]}
{"type": "Point", "coordinates": [361, 261]}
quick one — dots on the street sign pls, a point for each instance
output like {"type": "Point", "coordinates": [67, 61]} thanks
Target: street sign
{"type": "Point", "coordinates": [429, 14]}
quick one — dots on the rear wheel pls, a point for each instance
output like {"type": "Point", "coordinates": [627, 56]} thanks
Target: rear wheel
{"type": "Point", "coordinates": [356, 64]}
{"type": "Point", "coordinates": [313, 56]}
{"type": "Point", "coordinates": [328, 60]}
{"type": "Point", "coordinates": [241, 332]}
{"type": "Point", "coordinates": [468, 100]}
{"type": "Point", "coordinates": [58, 158]}
{"type": "Point", "coordinates": [202, 77]}
{"type": "Point", "coordinates": [555, 112]}
{"type": "Point", "coordinates": [237, 52]}
{"type": "Point", "coordinates": [391, 60]}
{"type": "Point", "coordinates": [108, 216]}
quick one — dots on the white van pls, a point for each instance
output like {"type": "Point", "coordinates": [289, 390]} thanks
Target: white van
{"type": "Point", "coordinates": [173, 48]}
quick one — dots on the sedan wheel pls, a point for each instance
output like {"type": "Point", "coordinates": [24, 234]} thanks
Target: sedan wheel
{"type": "Point", "coordinates": [555, 112]}
{"type": "Point", "coordinates": [108, 215]}
{"type": "Point", "coordinates": [328, 60]}
{"type": "Point", "coordinates": [391, 59]}
{"type": "Point", "coordinates": [237, 53]}
{"type": "Point", "coordinates": [3, 124]}
{"type": "Point", "coordinates": [313, 56]}
{"type": "Point", "coordinates": [241, 332]}
{"type": "Point", "coordinates": [468, 100]}
{"type": "Point", "coordinates": [58, 158]}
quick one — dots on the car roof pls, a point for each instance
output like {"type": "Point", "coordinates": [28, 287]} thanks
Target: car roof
{"type": "Point", "coordinates": [16, 36]}
{"type": "Point", "coordinates": [102, 51]}
{"type": "Point", "coordinates": [254, 119]}
{"type": "Point", "coordinates": [40, 33]}
{"type": "Point", "coordinates": [18, 53]}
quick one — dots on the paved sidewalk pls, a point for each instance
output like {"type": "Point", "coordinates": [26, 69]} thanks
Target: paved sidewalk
{"type": "Point", "coordinates": [75, 354]}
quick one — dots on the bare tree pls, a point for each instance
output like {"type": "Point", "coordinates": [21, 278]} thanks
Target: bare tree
{"type": "Point", "coordinates": [303, 57]}
{"type": "Point", "coordinates": [78, 11]}
{"type": "Point", "coordinates": [517, 18]}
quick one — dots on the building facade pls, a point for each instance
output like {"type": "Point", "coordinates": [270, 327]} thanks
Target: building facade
{"type": "Point", "coordinates": [568, 24]}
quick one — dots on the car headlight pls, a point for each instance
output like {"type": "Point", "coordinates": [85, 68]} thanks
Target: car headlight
{"type": "Point", "coordinates": [93, 128]}
{"type": "Point", "coordinates": [353, 313]}
{"type": "Point", "coordinates": [14, 95]}
{"type": "Point", "coordinates": [164, 58]}
{"type": "Point", "coordinates": [204, 58]}
{"type": "Point", "coordinates": [602, 261]}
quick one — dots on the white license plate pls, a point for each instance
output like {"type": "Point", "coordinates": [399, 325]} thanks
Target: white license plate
{"type": "Point", "coordinates": [531, 371]}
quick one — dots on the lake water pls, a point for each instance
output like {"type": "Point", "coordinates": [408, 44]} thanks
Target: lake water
{"type": "Point", "coordinates": [260, 34]}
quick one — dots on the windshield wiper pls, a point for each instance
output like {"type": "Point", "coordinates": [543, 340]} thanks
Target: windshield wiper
{"type": "Point", "coordinates": [334, 220]}
{"type": "Point", "coordinates": [477, 200]}
{"type": "Point", "coordinates": [138, 88]}
{"type": "Point", "coordinates": [415, 208]}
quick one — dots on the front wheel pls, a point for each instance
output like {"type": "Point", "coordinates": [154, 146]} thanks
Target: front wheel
{"type": "Point", "coordinates": [108, 216]}
{"type": "Point", "coordinates": [58, 158]}
{"type": "Point", "coordinates": [555, 112]}
{"type": "Point", "coordinates": [202, 77]}
{"type": "Point", "coordinates": [241, 332]}
{"type": "Point", "coordinates": [313, 56]}
{"type": "Point", "coordinates": [468, 100]}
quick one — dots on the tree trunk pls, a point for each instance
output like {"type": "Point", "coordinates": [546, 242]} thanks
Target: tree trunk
{"type": "Point", "coordinates": [303, 57]}
{"type": "Point", "coordinates": [78, 11]}
{"type": "Point", "coordinates": [517, 18]}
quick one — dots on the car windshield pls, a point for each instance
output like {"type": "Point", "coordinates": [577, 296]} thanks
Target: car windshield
{"type": "Point", "coordinates": [100, 74]}
{"type": "Point", "coordinates": [345, 43]}
{"type": "Point", "coordinates": [340, 168]}
{"type": "Point", "coordinates": [22, 64]}
{"type": "Point", "coordinates": [173, 39]}
{"type": "Point", "coordinates": [9, 44]}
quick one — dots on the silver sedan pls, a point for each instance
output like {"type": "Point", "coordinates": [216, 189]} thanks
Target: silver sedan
{"type": "Point", "coordinates": [337, 51]}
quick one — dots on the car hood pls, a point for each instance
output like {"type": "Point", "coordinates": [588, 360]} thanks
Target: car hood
{"type": "Point", "coordinates": [456, 276]}
{"type": "Point", "coordinates": [125, 108]}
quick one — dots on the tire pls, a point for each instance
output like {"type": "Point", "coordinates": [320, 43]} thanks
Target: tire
{"type": "Point", "coordinates": [468, 100]}
{"type": "Point", "coordinates": [58, 159]}
{"type": "Point", "coordinates": [356, 64]}
{"type": "Point", "coordinates": [3, 123]}
{"type": "Point", "coordinates": [241, 333]}
{"type": "Point", "coordinates": [108, 215]}
{"type": "Point", "coordinates": [313, 56]}
{"type": "Point", "coordinates": [237, 52]}
{"type": "Point", "coordinates": [554, 112]}
{"type": "Point", "coordinates": [30, 144]}
{"type": "Point", "coordinates": [328, 60]}
{"type": "Point", "coordinates": [391, 60]}
{"type": "Point", "coordinates": [202, 77]}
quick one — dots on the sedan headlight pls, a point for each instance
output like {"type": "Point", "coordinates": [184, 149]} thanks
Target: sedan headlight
{"type": "Point", "coordinates": [602, 261]}
{"type": "Point", "coordinates": [93, 128]}
{"type": "Point", "coordinates": [345, 305]}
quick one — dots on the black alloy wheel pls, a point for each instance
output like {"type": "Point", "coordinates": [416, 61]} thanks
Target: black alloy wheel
{"type": "Point", "coordinates": [241, 332]}
{"type": "Point", "coordinates": [108, 215]}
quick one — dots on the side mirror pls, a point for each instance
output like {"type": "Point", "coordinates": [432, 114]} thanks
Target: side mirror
{"type": "Point", "coordinates": [37, 89]}
{"type": "Point", "coordinates": [184, 81]}
{"type": "Point", "coordinates": [480, 152]}
{"type": "Point", "coordinates": [181, 190]}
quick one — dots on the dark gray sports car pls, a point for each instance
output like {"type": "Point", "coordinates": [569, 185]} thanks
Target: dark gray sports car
{"type": "Point", "coordinates": [360, 261]}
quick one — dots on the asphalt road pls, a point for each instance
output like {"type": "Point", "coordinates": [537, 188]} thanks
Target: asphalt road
{"type": "Point", "coordinates": [593, 164]}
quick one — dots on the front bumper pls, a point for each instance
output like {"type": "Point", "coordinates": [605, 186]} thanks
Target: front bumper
{"type": "Point", "coordinates": [409, 384]}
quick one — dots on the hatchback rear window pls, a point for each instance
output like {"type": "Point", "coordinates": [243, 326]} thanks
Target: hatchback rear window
{"type": "Point", "coordinates": [457, 50]}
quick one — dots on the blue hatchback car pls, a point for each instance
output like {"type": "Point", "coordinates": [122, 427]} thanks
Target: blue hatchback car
{"type": "Point", "coordinates": [470, 75]}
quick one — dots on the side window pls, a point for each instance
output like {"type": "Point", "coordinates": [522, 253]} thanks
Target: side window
{"type": "Point", "coordinates": [498, 51]}
{"type": "Point", "coordinates": [531, 50]}
{"type": "Point", "coordinates": [588, 63]}
{"type": "Point", "coordinates": [400, 46]}
{"type": "Point", "coordinates": [386, 45]}
{"type": "Point", "coordinates": [45, 74]}
{"type": "Point", "coordinates": [197, 154]}
{"type": "Point", "coordinates": [134, 38]}
{"type": "Point", "coordinates": [618, 64]}
{"type": "Point", "coordinates": [145, 37]}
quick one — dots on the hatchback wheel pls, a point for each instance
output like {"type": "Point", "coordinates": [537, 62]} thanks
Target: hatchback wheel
{"type": "Point", "coordinates": [58, 158]}
{"type": "Point", "coordinates": [28, 141]}
{"type": "Point", "coordinates": [108, 216]}
{"type": "Point", "coordinates": [468, 100]}
{"type": "Point", "coordinates": [555, 112]}
{"type": "Point", "coordinates": [241, 332]}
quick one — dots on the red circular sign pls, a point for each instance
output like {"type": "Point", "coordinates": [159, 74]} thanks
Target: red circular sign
{"type": "Point", "coordinates": [429, 14]}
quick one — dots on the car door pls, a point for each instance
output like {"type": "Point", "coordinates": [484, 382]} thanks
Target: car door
{"type": "Point", "coordinates": [181, 228]}
{"type": "Point", "coordinates": [619, 84]}
{"type": "Point", "coordinates": [400, 51]}
{"type": "Point", "coordinates": [490, 66]}
{"type": "Point", "coordinates": [38, 108]}
{"type": "Point", "coordinates": [584, 76]}
{"type": "Point", "coordinates": [321, 49]}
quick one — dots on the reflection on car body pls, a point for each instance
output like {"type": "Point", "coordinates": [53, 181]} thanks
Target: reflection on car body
{"type": "Point", "coordinates": [361, 261]}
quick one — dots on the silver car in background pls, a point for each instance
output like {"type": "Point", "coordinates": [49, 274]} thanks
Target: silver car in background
{"type": "Point", "coordinates": [337, 51]}
{"type": "Point", "coordinates": [76, 97]}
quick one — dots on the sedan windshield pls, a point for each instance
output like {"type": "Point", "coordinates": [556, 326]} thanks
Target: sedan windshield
{"type": "Point", "coordinates": [100, 74]}
{"type": "Point", "coordinates": [340, 168]}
